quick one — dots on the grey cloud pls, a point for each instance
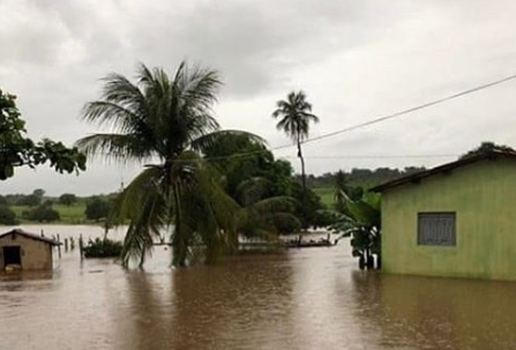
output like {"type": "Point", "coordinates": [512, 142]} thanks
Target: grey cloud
{"type": "Point", "coordinates": [356, 59]}
{"type": "Point", "coordinates": [29, 40]}
{"type": "Point", "coordinates": [255, 44]}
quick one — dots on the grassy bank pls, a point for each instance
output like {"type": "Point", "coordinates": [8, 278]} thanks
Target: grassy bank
{"type": "Point", "coordinates": [327, 195]}
{"type": "Point", "coordinates": [70, 215]}
{"type": "Point", "coordinates": [75, 214]}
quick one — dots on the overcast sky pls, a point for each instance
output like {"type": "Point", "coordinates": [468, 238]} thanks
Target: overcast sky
{"type": "Point", "coordinates": [355, 59]}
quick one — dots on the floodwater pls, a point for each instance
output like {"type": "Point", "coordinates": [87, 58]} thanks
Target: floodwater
{"type": "Point", "coordinates": [312, 298]}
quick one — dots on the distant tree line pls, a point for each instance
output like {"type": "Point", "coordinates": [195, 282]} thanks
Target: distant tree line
{"type": "Point", "coordinates": [487, 147]}
{"type": "Point", "coordinates": [276, 178]}
{"type": "Point", "coordinates": [364, 178]}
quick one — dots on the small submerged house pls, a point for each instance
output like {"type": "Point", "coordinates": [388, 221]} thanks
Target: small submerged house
{"type": "Point", "coordinates": [26, 251]}
{"type": "Point", "coordinates": [458, 219]}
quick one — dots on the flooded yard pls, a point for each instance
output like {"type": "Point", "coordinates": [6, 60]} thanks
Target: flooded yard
{"type": "Point", "coordinates": [301, 299]}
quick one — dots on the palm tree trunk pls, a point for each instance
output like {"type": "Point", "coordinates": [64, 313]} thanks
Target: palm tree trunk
{"type": "Point", "coordinates": [106, 229]}
{"type": "Point", "coordinates": [303, 180]}
{"type": "Point", "coordinates": [300, 155]}
{"type": "Point", "coordinates": [142, 259]}
{"type": "Point", "coordinates": [179, 246]}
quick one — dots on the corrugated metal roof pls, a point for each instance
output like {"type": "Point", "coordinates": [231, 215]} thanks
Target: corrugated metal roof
{"type": "Point", "coordinates": [31, 236]}
{"type": "Point", "coordinates": [415, 178]}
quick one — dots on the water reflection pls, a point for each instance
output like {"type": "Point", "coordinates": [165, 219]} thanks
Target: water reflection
{"type": "Point", "coordinates": [245, 306]}
{"type": "Point", "coordinates": [141, 311]}
{"type": "Point", "coordinates": [299, 299]}
{"type": "Point", "coordinates": [437, 313]}
{"type": "Point", "coordinates": [203, 307]}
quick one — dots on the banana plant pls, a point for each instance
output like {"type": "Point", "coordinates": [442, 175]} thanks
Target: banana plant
{"type": "Point", "coordinates": [360, 219]}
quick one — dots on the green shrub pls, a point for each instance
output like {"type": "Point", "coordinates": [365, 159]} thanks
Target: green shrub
{"type": "Point", "coordinates": [97, 208]}
{"type": "Point", "coordinates": [67, 199]}
{"type": "Point", "coordinates": [102, 248]}
{"type": "Point", "coordinates": [31, 200]}
{"type": "Point", "coordinates": [42, 213]}
{"type": "Point", "coordinates": [7, 216]}
{"type": "Point", "coordinates": [286, 224]}
{"type": "Point", "coordinates": [324, 218]}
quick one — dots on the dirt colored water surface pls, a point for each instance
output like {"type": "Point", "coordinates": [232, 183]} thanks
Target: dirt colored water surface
{"type": "Point", "coordinates": [312, 298]}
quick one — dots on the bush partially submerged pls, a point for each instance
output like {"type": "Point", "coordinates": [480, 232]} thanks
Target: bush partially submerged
{"type": "Point", "coordinates": [103, 248]}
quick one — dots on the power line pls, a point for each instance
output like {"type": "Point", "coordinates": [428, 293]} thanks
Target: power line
{"type": "Point", "coordinates": [376, 121]}
{"type": "Point", "coordinates": [349, 156]}
{"type": "Point", "coordinates": [413, 109]}
{"type": "Point", "coordinates": [379, 156]}
{"type": "Point", "coordinates": [380, 119]}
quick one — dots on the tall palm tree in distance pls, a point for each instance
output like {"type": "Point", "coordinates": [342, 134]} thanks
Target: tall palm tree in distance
{"type": "Point", "coordinates": [295, 115]}
{"type": "Point", "coordinates": [166, 122]}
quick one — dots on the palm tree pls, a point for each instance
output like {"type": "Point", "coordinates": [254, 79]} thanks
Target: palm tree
{"type": "Point", "coordinates": [295, 115]}
{"type": "Point", "coordinates": [166, 122]}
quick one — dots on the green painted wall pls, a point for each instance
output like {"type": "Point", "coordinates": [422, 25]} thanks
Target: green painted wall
{"type": "Point", "coordinates": [483, 195]}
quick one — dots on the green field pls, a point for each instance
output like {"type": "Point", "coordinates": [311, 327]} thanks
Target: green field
{"type": "Point", "coordinates": [73, 214]}
{"type": "Point", "coordinates": [327, 195]}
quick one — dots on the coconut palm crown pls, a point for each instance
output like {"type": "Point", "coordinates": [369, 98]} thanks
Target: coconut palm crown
{"type": "Point", "coordinates": [166, 122]}
{"type": "Point", "coordinates": [295, 115]}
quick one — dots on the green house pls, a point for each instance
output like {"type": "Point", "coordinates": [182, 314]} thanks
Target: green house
{"type": "Point", "coordinates": [457, 220]}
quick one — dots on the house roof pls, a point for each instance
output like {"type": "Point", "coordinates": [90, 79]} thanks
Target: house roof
{"type": "Point", "coordinates": [445, 168]}
{"type": "Point", "coordinates": [31, 236]}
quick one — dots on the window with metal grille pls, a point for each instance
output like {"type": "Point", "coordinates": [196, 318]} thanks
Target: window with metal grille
{"type": "Point", "coordinates": [436, 229]}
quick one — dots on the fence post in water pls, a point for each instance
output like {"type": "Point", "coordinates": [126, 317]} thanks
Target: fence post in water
{"type": "Point", "coordinates": [59, 246]}
{"type": "Point", "coordinates": [81, 246]}
{"type": "Point", "coordinates": [42, 233]}
{"type": "Point", "coordinates": [66, 244]}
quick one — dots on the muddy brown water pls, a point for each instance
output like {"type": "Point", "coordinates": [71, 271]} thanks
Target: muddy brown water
{"type": "Point", "coordinates": [301, 299]}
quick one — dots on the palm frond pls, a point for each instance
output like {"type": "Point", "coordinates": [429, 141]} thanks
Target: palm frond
{"type": "Point", "coordinates": [205, 142]}
{"type": "Point", "coordinates": [198, 86]}
{"type": "Point", "coordinates": [143, 204]}
{"type": "Point", "coordinates": [274, 204]}
{"type": "Point", "coordinates": [119, 90]}
{"type": "Point", "coordinates": [128, 203]}
{"type": "Point", "coordinates": [295, 115]}
{"type": "Point", "coordinates": [117, 147]}
{"type": "Point", "coordinates": [251, 190]}
{"type": "Point", "coordinates": [224, 209]}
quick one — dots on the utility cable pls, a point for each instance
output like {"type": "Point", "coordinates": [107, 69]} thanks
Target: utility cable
{"type": "Point", "coordinates": [377, 120]}
{"type": "Point", "coordinates": [383, 118]}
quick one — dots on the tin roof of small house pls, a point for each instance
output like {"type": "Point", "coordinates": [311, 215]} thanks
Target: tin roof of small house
{"type": "Point", "coordinates": [31, 236]}
{"type": "Point", "coordinates": [445, 168]}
